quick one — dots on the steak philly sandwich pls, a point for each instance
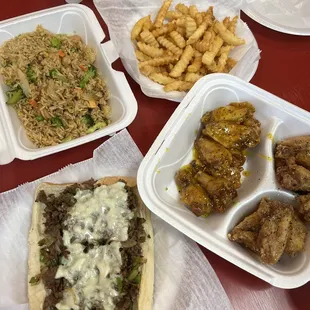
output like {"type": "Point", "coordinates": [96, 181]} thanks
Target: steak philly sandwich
{"type": "Point", "coordinates": [90, 247]}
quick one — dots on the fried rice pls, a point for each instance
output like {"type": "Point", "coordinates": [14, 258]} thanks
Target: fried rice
{"type": "Point", "coordinates": [54, 86]}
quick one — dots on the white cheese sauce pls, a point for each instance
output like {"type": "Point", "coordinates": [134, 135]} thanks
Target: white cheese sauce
{"type": "Point", "coordinates": [98, 217]}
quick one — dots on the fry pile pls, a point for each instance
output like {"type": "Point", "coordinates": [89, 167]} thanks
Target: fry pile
{"type": "Point", "coordinates": [181, 46]}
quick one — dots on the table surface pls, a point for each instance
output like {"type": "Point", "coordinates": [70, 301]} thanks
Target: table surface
{"type": "Point", "coordinates": [283, 70]}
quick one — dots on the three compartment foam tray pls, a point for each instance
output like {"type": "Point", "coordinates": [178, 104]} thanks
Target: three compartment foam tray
{"type": "Point", "coordinates": [66, 19]}
{"type": "Point", "coordinates": [173, 149]}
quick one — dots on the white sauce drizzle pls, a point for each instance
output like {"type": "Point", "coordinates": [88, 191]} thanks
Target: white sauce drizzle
{"type": "Point", "coordinates": [97, 217]}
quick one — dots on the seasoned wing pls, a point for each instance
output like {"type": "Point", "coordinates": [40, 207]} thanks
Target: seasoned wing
{"type": "Point", "coordinates": [292, 157]}
{"type": "Point", "coordinates": [304, 206]}
{"type": "Point", "coordinates": [273, 235]}
{"type": "Point", "coordinates": [232, 135]}
{"type": "Point", "coordinates": [220, 190]}
{"type": "Point", "coordinates": [246, 238]}
{"type": "Point", "coordinates": [293, 177]}
{"type": "Point", "coordinates": [212, 153]}
{"type": "Point", "coordinates": [192, 194]}
{"type": "Point", "coordinates": [254, 221]}
{"type": "Point", "coordinates": [236, 112]}
{"type": "Point", "coordinates": [297, 237]}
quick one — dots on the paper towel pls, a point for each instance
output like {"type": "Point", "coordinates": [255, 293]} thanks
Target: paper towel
{"type": "Point", "coordinates": [184, 278]}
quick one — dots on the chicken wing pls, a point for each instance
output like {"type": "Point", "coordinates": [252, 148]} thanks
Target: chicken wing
{"type": "Point", "coordinates": [232, 135]}
{"type": "Point", "coordinates": [304, 206]}
{"type": "Point", "coordinates": [297, 237]}
{"type": "Point", "coordinates": [292, 158]}
{"type": "Point", "coordinates": [220, 190]}
{"type": "Point", "coordinates": [273, 235]}
{"type": "Point", "coordinates": [192, 194]}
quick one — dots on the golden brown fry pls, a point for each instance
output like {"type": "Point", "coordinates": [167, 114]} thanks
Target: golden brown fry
{"type": "Point", "coordinates": [182, 8]}
{"type": "Point", "coordinates": [181, 31]}
{"type": "Point", "coordinates": [171, 15]}
{"type": "Point", "coordinates": [137, 28]}
{"type": "Point", "coordinates": [147, 70]}
{"type": "Point", "coordinates": [202, 46]}
{"type": "Point", "coordinates": [197, 34]}
{"type": "Point", "coordinates": [178, 85]}
{"type": "Point", "coordinates": [148, 38]}
{"type": "Point", "coordinates": [212, 67]}
{"type": "Point", "coordinates": [182, 64]}
{"type": "Point", "coordinates": [148, 23]}
{"type": "Point", "coordinates": [209, 14]}
{"type": "Point", "coordinates": [178, 39]}
{"type": "Point", "coordinates": [192, 11]}
{"type": "Point", "coordinates": [222, 62]}
{"type": "Point", "coordinates": [199, 18]}
{"type": "Point", "coordinates": [233, 24]}
{"type": "Point", "coordinates": [141, 57]}
{"type": "Point", "coordinates": [197, 53]}
{"type": "Point", "coordinates": [169, 46]}
{"type": "Point", "coordinates": [163, 30]}
{"type": "Point", "coordinates": [170, 67]}
{"type": "Point", "coordinates": [180, 22]}
{"type": "Point", "coordinates": [226, 21]}
{"type": "Point", "coordinates": [215, 46]}
{"type": "Point", "coordinates": [196, 65]}
{"type": "Point", "coordinates": [150, 50]}
{"type": "Point", "coordinates": [161, 61]}
{"type": "Point", "coordinates": [230, 64]}
{"type": "Point", "coordinates": [160, 78]}
{"type": "Point", "coordinates": [227, 35]}
{"type": "Point", "coordinates": [203, 70]}
{"type": "Point", "coordinates": [192, 77]}
{"type": "Point", "coordinates": [190, 26]}
{"type": "Point", "coordinates": [162, 13]}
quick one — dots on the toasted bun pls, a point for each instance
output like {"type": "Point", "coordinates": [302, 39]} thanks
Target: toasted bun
{"type": "Point", "coordinates": [37, 293]}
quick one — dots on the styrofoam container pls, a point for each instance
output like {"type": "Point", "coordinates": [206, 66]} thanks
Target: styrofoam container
{"type": "Point", "coordinates": [67, 19]}
{"type": "Point", "coordinates": [173, 148]}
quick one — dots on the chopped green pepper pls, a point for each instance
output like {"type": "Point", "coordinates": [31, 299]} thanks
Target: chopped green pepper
{"type": "Point", "coordinates": [137, 279]}
{"type": "Point", "coordinates": [73, 50]}
{"type": "Point", "coordinates": [91, 73]}
{"type": "Point", "coordinates": [119, 283]}
{"type": "Point", "coordinates": [96, 127]}
{"type": "Point", "coordinates": [56, 75]}
{"type": "Point", "coordinates": [56, 121]}
{"type": "Point", "coordinates": [42, 242]}
{"type": "Point", "coordinates": [88, 120]}
{"type": "Point", "coordinates": [31, 74]}
{"type": "Point", "coordinates": [39, 118]}
{"type": "Point", "coordinates": [133, 274]}
{"type": "Point", "coordinates": [55, 42]}
{"type": "Point", "coordinates": [35, 280]}
{"type": "Point", "coordinates": [14, 95]}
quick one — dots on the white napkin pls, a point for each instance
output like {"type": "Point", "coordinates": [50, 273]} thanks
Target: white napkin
{"type": "Point", "coordinates": [184, 278]}
{"type": "Point", "coordinates": [121, 15]}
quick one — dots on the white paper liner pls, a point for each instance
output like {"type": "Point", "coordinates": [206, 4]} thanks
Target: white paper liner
{"type": "Point", "coordinates": [184, 279]}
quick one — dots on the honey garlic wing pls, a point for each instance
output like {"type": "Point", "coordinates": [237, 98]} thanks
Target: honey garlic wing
{"type": "Point", "coordinates": [219, 189]}
{"type": "Point", "coordinates": [192, 194]}
{"type": "Point", "coordinates": [232, 135]}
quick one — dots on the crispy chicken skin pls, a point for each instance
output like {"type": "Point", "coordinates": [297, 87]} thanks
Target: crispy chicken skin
{"type": "Point", "coordinates": [219, 156]}
{"type": "Point", "coordinates": [273, 229]}
{"type": "Point", "coordinates": [292, 159]}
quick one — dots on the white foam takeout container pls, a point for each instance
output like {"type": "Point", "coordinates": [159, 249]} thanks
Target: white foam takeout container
{"type": "Point", "coordinates": [67, 19]}
{"type": "Point", "coordinates": [173, 149]}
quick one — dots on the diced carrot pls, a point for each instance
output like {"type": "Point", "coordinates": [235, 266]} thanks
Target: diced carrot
{"type": "Point", "coordinates": [92, 104]}
{"type": "Point", "coordinates": [61, 53]}
{"type": "Point", "coordinates": [33, 103]}
{"type": "Point", "coordinates": [84, 68]}
{"type": "Point", "coordinates": [77, 89]}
